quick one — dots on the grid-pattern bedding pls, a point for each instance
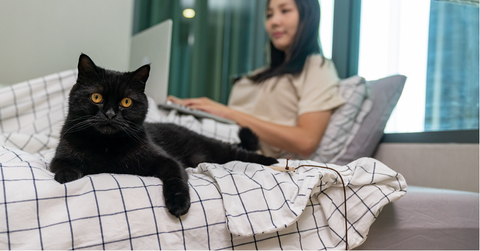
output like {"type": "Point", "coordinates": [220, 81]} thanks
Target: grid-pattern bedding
{"type": "Point", "coordinates": [235, 205]}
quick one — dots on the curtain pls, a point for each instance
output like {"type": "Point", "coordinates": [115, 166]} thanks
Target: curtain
{"type": "Point", "coordinates": [225, 39]}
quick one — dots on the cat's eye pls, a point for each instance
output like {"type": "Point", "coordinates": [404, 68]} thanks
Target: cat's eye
{"type": "Point", "coordinates": [97, 98]}
{"type": "Point", "coordinates": [126, 102]}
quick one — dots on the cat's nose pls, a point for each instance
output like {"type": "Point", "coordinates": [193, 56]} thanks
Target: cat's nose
{"type": "Point", "coordinates": [110, 113]}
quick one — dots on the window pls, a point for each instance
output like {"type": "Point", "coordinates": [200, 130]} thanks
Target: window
{"type": "Point", "coordinates": [433, 43]}
{"type": "Point", "coordinates": [326, 26]}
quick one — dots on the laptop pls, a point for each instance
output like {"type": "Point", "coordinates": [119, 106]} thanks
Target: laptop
{"type": "Point", "coordinates": [152, 46]}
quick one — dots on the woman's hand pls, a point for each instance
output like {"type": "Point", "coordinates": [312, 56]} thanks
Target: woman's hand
{"type": "Point", "coordinates": [203, 104]}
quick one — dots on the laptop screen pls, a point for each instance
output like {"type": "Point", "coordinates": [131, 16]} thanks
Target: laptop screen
{"type": "Point", "coordinates": [152, 46]}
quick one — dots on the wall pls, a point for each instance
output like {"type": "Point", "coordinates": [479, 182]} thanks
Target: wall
{"type": "Point", "coordinates": [38, 38]}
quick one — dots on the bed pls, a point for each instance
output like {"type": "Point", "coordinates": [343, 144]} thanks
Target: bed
{"type": "Point", "coordinates": [427, 219]}
{"type": "Point", "coordinates": [235, 205]}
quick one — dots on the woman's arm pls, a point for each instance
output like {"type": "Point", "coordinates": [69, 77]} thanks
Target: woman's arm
{"type": "Point", "coordinates": [301, 139]}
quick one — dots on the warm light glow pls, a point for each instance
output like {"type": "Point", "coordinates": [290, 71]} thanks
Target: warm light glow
{"type": "Point", "coordinates": [188, 13]}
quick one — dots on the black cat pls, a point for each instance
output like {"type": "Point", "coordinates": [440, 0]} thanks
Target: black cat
{"type": "Point", "coordinates": [105, 133]}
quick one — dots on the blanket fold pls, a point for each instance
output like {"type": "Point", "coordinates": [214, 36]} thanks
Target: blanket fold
{"type": "Point", "coordinates": [260, 200]}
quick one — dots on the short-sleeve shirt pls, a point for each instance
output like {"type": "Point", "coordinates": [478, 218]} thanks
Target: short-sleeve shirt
{"type": "Point", "coordinates": [283, 99]}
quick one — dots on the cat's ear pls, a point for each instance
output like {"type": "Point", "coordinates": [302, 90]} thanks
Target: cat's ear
{"type": "Point", "coordinates": [86, 66]}
{"type": "Point", "coordinates": [140, 76]}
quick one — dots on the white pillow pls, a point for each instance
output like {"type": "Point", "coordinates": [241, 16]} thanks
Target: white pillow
{"type": "Point", "coordinates": [32, 112]}
{"type": "Point", "coordinates": [345, 120]}
{"type": "Point", "coordinates": [384, 94]}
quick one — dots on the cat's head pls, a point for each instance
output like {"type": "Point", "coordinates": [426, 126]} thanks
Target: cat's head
{"type": "Point", "coordinates": [108, 101]}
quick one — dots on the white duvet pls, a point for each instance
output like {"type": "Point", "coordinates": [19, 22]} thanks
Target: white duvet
{"type": "Point", "coordinates": [235, 205]}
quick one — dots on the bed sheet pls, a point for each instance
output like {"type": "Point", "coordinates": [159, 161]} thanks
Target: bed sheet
{"type": "Point", "coordinates": [234, 206]}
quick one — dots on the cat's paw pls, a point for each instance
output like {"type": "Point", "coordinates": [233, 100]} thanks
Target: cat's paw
{"type": "Point", "coordinates": [65, 176]}
{"type": "Point", "coordinates": [177, 197]}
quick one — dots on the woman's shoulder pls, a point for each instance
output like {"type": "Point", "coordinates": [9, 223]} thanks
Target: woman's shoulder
{"type": "Point", "coordinates": [318, 61]}
{"type": "Point", "coordinates": [318, 65]}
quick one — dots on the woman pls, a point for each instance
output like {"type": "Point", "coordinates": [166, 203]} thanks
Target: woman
{"type": "Point", "coordinates": [289, 103]}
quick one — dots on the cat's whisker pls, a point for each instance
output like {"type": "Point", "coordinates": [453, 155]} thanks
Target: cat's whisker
{"type": "Point", "coordinates": [130, 132]}
{"type": "Point", "coordinates": [78, 127]}
{"type": "Point", "coordinates": [80, 118]}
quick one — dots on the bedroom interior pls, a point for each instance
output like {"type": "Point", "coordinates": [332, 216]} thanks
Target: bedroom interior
{"type": "Point", "coordinates": [41, 42]}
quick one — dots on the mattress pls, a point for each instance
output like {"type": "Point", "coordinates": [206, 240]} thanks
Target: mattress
{"type": "Point", "coordinates": [427, 218]}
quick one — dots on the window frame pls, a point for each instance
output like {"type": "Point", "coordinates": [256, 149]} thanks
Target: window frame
{"type": "Point", "coordinates": [345, 51]}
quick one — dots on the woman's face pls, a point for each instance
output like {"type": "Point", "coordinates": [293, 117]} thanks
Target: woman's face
{"type": "Point", "coordinates": [282, 22]}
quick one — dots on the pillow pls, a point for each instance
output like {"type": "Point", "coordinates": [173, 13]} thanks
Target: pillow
{"type": "Point", "coordinates": [32, 112]}
{"type": "Point", "coordinates": [345, 120]}
{"type": "Point", "coordinates": [36, 105]}
{"type": "Point", "coordinates": [385, 93]}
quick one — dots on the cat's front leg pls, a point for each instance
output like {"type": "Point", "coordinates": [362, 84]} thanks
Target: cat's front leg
{"type": "Point", "coordinates": [177, 196]}
{"type": "Point", "coordinates": [175, 186]}
{"type": "Point", "coordinates": [64, 171]}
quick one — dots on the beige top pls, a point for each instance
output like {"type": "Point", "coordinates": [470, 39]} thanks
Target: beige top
{"type": "Point", "coordinates": [283, 99]}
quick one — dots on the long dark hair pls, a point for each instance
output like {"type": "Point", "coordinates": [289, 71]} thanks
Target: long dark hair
{"type": "Point", "coordinates": [305, 43]}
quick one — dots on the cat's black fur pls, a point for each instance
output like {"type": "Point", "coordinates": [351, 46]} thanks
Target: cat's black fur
{"type": "Point", "coordinates": [106, 137]}
{"type": "Point", "coordinates": [248, 139]}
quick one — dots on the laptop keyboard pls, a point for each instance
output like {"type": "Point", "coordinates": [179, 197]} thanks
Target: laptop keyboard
{"type": "Point", "coordinates": [196, 113]}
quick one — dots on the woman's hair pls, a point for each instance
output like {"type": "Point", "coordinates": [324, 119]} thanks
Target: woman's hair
{"type": "Point", "coordinates": [304, 43]}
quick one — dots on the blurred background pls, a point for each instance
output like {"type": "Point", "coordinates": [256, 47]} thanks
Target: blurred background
{"type": "Point", "coordinates": [434, 43]}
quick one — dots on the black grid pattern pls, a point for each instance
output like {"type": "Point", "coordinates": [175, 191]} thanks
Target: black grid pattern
{"type": "Point", "coordinates": [32, 112]}
{"type": "Point", "coordinates": [345, 121]}
{"type": "Point", "coordinates": [204, 126]}
{"type": "Point", "coordinates": [234, 206]}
